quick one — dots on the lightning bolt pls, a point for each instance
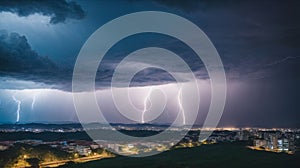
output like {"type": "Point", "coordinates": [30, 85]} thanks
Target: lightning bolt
{"type": "Point", "coordinates": [33, 102]}
{"type": "Point", "coordinates": [179, 98]}
{"type": "Point", "coordinates": [19, 106]}
{"type": "Point", "coordinates": [145, 104]}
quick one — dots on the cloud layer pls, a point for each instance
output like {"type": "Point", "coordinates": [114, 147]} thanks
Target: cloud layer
{"type": "Point", "coordinates": [19, 64]}
{"type": "Point", "coordinates": [253, 45]}
{"type": "Point", "coordinates": [59, 10]}
{"type": "Point", "coordinates": [16, 55]}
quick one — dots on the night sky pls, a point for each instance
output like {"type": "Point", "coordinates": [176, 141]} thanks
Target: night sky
{"type": "Point", "coordinates": [258, 42]}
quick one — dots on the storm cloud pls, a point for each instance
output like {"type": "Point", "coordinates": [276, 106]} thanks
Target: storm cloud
{"type": "Point", "coordinates": [256, 39]}
{"type": "Point", "coordinates": [16, 55]}
{"type": "Point", "coordinates": [253, 45]}
{"type": "Point", "coordinates": [59, 11]}
{"type": "Point", "coordinates": [258, 42]}
{"type": "Point", "coordinates": [18, 60]}
{"type": "Point", "coordinates": [21, 65]}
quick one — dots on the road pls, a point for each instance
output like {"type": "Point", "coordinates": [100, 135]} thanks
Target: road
{"type": "Point", "coordinates": [81, 159]}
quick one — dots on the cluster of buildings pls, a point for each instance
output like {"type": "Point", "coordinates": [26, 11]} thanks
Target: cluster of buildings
{"type": "Point", "coordinates": [4, 145]}
{"type": "Point", "coordinates": [39, 128]}
{"type": "Point", "coordinates": [275, 142]}
{"type": "Point", "coordinates": [78, 147]}
{"type": "Point", "coordinates": [229, 135]}
{"type": "Point", "coordinates": [88, 148]}
{"type": "Point", "coordinates": [135, 148]}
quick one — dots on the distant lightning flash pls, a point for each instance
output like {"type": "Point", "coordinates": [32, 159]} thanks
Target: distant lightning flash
{"type": "Point", "coordinates": [19, 107]}
{"type": "Point", "coordinates": [145, 104]}
{"type": "Point", "coordinates": [180, 105]}
{"type": "Point", "coordinates": [33, 102]}
{"type": "Point", "coordinates": [19, 102]}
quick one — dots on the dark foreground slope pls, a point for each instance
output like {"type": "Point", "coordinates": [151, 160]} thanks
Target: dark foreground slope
{"type": "Point", "coordinates": [225, 155]}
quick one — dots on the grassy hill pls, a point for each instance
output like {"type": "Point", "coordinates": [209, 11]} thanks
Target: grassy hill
{"type": "Point", "coordinates": [225, 155]}
{"type": "Point", "coordinates": [35, 154]}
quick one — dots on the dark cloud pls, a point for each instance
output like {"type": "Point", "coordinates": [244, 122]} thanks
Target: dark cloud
{"type": "Point", "coordinates": [59, 10]}
{"type": "Point", "coordinates": [187, 6]}
{"type": "Point", "coordinates": [18, 60]}
{"type": "Point", "coordinates": [21, 66]}
{"type": "Point", "coordinates": [194, 5]}
{"type": "Point", "coordinates": [253, 44]}
{"type": "Point", "coordinates": [250, 35]}
{"type": "Point", "coordinates": [17, 56]}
